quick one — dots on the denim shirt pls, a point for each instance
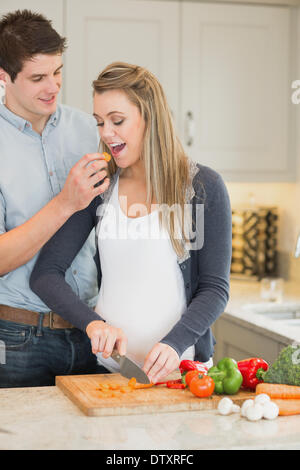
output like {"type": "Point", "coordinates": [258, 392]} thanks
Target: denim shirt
{"type": "Point", "coordinates": [33, 169]}
{"type": "Point", "coordinates": [205, 270]}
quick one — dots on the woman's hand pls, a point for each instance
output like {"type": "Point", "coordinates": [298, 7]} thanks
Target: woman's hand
{"type": "Point", "coordinates": [160, 362]}
{"type": "Point", "coordinates": [104, 338]}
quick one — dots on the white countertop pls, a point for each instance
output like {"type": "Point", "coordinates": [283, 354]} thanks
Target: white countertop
{"type": "Point", "coordinates": [243, 293]}
{"type": "Point", "coordinates": [43, 418]}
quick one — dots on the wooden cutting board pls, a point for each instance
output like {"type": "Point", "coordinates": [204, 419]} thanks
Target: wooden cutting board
{"type": "Point", "coordinates": [84, 391]}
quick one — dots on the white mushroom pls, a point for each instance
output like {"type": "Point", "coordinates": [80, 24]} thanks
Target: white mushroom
{"type": "Point", "coordinates": [255, 412]}
{"type": "Point", "coordinates": [262, 398]}
{"type": "Point", "coordinates": [226, 407]}
{"type": "Point", "coordinates": [270, 410]}
{"type": "Point", "coordinates": [246, 405]}
{"type": "Point", "coordinates": [235, 408]}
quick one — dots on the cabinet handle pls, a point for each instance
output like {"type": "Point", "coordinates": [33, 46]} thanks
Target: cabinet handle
{"type": "Point", "coordinates": [189, 128]}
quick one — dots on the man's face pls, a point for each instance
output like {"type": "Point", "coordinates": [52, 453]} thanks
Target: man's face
{"type": "Point", "coordinates": [33, 95]}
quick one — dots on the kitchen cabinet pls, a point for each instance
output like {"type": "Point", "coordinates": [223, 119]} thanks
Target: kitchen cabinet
{"type": "Point", "coordinates": [99, 33]}
{"type": "Point", "coordinates": [235, 89]}
{"type": "Point", "coordinates": [226, 69]}
{"type": "Point", "coordinates": [240, 339]}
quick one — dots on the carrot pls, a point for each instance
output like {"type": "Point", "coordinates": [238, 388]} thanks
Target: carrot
{"type": "Point", "coordinates": [288, 407]}
{"type": "Point", "coordinates": [143, 386]}
{"type": "Point", "coordinates": [113, 390]}
{"type": "Point", "coordinates": [134, 385]}
{"type": "Point", "coordinates": [107, 157]}
{"type": "Point", "coordinates": [126, 389]}
{"type": "Point", "coordinates": [132, 382]}
{"type": "Point", "coordinates": [104, 386]}
{"type": "Point", "coordinates": [114, 387]}
{"type": "Point", "coordinates": [278, 390]}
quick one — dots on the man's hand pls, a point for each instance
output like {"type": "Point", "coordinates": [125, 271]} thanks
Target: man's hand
{"type": "Point", "coordinates": [160, 362]}
{"type": "Point", "coordinates": [104, 338]}
{"type": "Point", "coordinates": [79, 189]}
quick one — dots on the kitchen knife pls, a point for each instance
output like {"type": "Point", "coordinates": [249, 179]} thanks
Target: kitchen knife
{"type": "Point", "coordinates": [129, 369]}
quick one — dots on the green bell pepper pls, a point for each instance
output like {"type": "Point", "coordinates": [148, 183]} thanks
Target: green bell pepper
{"type": "Point", "coordinates": [226, 376]}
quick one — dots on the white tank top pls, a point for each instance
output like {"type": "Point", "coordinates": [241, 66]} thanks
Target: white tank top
{"type": "Point", "coordinates": [142, 289]}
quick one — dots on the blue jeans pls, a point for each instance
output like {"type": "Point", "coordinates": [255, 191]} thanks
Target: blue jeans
{"type": "Point", "coordinates": [30, 360]}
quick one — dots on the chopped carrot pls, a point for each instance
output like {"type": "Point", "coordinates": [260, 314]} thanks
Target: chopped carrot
{"type": "Point", "coordinates": [104, 386]}
{"type": "Point", "coordinates": [107, 389]}
{"type": "Point", "coordinates": [132, 382]}
{"type": "Point", "coordinates": [106, 156]}
{"type": "Point", "coordinates": [137, 386]}
{"type": "Point", "coordinates": [126, 389]}
{"type": "Point", "coordinates": [114, 386]}
{"type": "Point", "coordinates": [278, 390]}
{"type": "Point", "coordinates": [287, 406]}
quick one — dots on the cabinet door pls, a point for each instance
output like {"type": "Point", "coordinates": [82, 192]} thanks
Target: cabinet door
{"type": "Point", "coordinates": [239, 339]}
{"type": "Point", "coordinates": [143, 33]}
{"type": "Point", "coordinates": [236, 89]}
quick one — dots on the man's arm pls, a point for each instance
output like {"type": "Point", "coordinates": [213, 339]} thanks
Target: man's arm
{"type": "Point", "coordinates": [20, 244]}
{"type": "Point", "coordinates": [48, 282]}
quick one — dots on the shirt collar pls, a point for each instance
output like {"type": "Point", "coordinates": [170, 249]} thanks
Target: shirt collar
{"type": "Point", "coordinates": [15, 120]}
{"type": "Point", "coordinates": [54, 117]}
{"type": "Point", "coordinates": [21, 123]}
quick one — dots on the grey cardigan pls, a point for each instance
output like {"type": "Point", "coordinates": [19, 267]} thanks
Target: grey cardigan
{"type": "Point", "coordinates": [205, 269]}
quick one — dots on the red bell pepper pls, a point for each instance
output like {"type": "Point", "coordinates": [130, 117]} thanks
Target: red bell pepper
{"type": "Point", "coordinates": [248, 368]}
{"type": "Point", "coordinates": [173, 384]}
{"type": "Point", "coordinates": [187, 365]}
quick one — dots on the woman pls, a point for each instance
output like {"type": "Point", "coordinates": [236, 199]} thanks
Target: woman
{"type": "Point", "coordinates": [160, 289]}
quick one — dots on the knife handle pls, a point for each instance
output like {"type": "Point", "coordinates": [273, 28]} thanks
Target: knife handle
{"type": "Point", "coordinates": [115, 355]}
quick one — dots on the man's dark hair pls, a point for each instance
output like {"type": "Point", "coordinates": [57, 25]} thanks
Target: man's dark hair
{"type": "Point", "coordinates": [24, 34]}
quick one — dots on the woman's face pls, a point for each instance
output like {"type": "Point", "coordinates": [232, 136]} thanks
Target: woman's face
{"type": "Point", "coordinates": [121, 126]}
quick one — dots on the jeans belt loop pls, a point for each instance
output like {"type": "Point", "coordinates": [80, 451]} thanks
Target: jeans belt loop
{"type": "Point", "coordinates": [39, 331]}
{"type": "Point", "coordinates": [51, 321]}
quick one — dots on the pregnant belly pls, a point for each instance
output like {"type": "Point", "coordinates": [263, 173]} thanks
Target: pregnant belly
{"type": "Point", "coordinates": [143, 324]}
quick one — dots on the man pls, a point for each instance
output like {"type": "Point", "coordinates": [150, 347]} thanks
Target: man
{"type": "Point", "coordinates": [43, 181]}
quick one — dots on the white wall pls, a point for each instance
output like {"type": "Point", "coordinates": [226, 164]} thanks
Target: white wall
{"type": "Point", "coordinates": [281, 195]}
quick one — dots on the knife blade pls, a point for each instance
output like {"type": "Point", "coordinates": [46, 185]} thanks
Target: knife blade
{"type": "Point", "coordinates": [129, 369]}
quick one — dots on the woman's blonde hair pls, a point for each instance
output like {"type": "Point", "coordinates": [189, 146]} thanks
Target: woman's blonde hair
{"type": "Point", "coordinates": [166, 164]}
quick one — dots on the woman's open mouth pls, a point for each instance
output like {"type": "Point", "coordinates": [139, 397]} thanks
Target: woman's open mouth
{"type": "Point", "coordinates": [116, 149]}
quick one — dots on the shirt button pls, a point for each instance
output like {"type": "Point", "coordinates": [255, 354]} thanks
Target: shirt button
{"type": "Point", "coordinates": [51, 173]}
{"type": "Point", "coordinates": [74, 272]}
{"type": "Point", "coordinates": [187, 285]}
